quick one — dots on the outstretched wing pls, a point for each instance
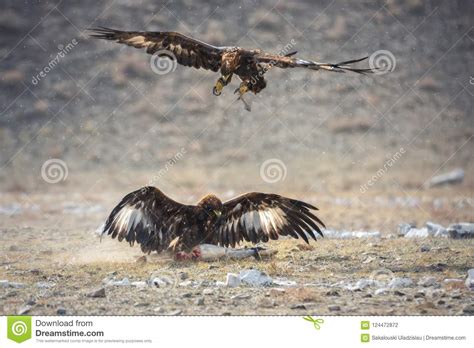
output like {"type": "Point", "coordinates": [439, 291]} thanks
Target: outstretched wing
{"type": "Point", "coordinates": [188, 51]}
{"type": "Point", "coordinates": [256, 217]}
{"type": "Point", "coordinates": [291, 62]}
{"type": "Point", "coordinates": [150, 218]}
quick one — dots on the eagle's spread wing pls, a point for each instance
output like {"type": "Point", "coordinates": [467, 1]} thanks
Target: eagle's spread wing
{"type": "Point", "coordinates": [150, 218]}
{"type": "Point", "coordinates": [258, 217]}
{"type": "Point", "coordinates": [188, 51]}
{"type": "Point", "coordinates": [291, 62]}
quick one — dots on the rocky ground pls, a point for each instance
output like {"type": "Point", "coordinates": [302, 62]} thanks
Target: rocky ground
{"type": "Point", "coordinates": [52, 262]}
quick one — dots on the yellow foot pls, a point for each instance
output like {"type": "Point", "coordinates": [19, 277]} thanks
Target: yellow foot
{"type": "Point", "coordinates": [242, 89]}
{"type": "Point", "coordinates": [217, 90]}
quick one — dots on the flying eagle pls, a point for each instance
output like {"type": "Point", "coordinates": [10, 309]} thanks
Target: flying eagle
{"type": "Point", "coordinates": [158, 223]}
{"type": "Point", "coordinates": [249, 65]}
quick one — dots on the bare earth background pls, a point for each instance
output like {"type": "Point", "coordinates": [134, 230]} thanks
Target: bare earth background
{"type": "Point", "coordinates": [117, 126]}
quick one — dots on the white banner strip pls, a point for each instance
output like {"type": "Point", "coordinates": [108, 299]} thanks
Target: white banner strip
{"type": "Point", "coordinates": [229, 332]}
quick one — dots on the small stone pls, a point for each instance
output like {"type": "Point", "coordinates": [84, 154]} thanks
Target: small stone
{"type": "Point", "coordinates": [186, 283]}
{"type": "Point", "coordinates": [417, 233]}
{"type": "Point", "coordinates": [141, 260]}
{"type": "Point", "coordinates": [420, 294]}
{"type": "Point", "coordinates": [462, 230]}
{"type": "Point", "coordinates": [61, 311]}
{"type": "Point", "coordinates": [334, 308]}
{"type": "Point", "coordinates": [183, 275]}
{"type": "Point", "coordinates": [24, 310]}
{"type": "Point", "coordinates": [381, 291]}
{"type": "Point", "coordinates": [425, 248]}
{"type": "Point", "coordinates": [332, 293]}
{"type": "Point", "coordinates": [284, 282]}
{"type": "Point", "coordinates": [35, 271]}
{"type": "Point", "coordinates": [298, 306]}
{"type": "Point", "coordinates": [45, 285]}
{"type": "Point", "coordinates": [123, 282]}
{"type": "Point", "coordinates": [158, 310]}
{"type": "Point", "coordinates": [453, 177]}
{"type": "Point", "coordinates": [208, 291]}
{"type": "Point", "coordinates": [97, 293]}
{"type": "Point", "coordinates": [470, 279]}
{"type": "Point", "coordinates": [363, 283]}
{"type": "Point", "coordinates": [469, 309]}
{"type": "Point", "coordinates": [240, 297]}
{"type": "Point", "coordinates": [436, 230]}
{"type": "Point", "coordinates": [428, 282]}
{"type": "Point", "coordinates": [161, 282]}
{"type": "Point", "coordinates": [267, 303]}
{"type": "Point", "coordinates": [141, 304]}
{"type": "Point", "coordinates": [199, 301]}
{"type": "Point", "coordinates": [175, 312]}
{"type": "Point", "coordinates": [187, 295]}
{"type": "Point", "coordinates": [396, 283]}
{"type": "Point", "coordinates": [404, 227]}
{"type": "Point", "coordinates": [398, 293]}
{"type": "Point", "coordinates": [139, 284]}
{"type": "Point", "coordinates": [255, 278]}
{"type": "Point", "coordinates": [232, 280]}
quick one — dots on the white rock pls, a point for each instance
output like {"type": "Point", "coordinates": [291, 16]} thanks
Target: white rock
{"type": "Point", "coordinates": [255, 277]}
{"type": "Point", "coordinates": [428, 282]}
{"type": "Point", "coordinates": [161, 282]}
{"type": "Point", "coordinates": [207, 291]}
{"type": "Point", "coordinates": [232, 280]}
{"type": "Point", "coordinates": [284, 282]}
{"type": "Point", "coordinates": [455, 176]}
{"type": "Point", "coordinates": [381, 291]}
{"type": "Point", "coordinates": [123, 282]}
{"type": "Point", "coordinates": [139, 284]}
{"type": "Point", "coordinates": [461, 230]}
{"type": "Point", "coordinates": [45, 285]}
{"type": "Point", "coordinates": [7, 284]}
{"type": "Point", "coordinates": [331, 234]}
{"type": "Point", "coordinates": [417, 233]}
{"type": "Point", "coordinates": [436, 230]}
{"type": "Point", "coordinates": [364, 283]}
{"type": "Point", "coordinates": [397, 283]}
{"type": "Point", "coordinates": [404, 227]}
{"type": "Point", "coordinates": [470, 279]}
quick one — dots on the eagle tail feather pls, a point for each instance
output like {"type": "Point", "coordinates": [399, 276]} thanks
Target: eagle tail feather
{"type": "Point", "coordinates": [341, 67]}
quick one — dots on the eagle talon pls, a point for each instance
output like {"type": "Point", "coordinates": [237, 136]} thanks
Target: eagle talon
{"type": "Point", "coordinates": [216, 92]}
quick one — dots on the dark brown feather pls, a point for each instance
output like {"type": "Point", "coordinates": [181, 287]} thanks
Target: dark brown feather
{"type": "Point", "coordinates": [188, 51]}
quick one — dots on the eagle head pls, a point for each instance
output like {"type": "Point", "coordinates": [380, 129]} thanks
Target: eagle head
{"type": "Point", "coordinates": [211, 204]}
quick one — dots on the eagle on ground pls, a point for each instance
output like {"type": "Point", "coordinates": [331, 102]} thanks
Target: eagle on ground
{"type": "Point", "coordinates": [249, 65]}
{"type": "Point", "coordinates": [158, 223]}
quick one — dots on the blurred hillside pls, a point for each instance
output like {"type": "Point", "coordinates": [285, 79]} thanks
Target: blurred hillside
{"type": "Point", "coordinates": [116, 124]}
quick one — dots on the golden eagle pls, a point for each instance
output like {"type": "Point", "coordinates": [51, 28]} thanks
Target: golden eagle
{"type": "Point", "coordinates": [249, 65]}
{"type": "Point", "coordinates": [158, 223]}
